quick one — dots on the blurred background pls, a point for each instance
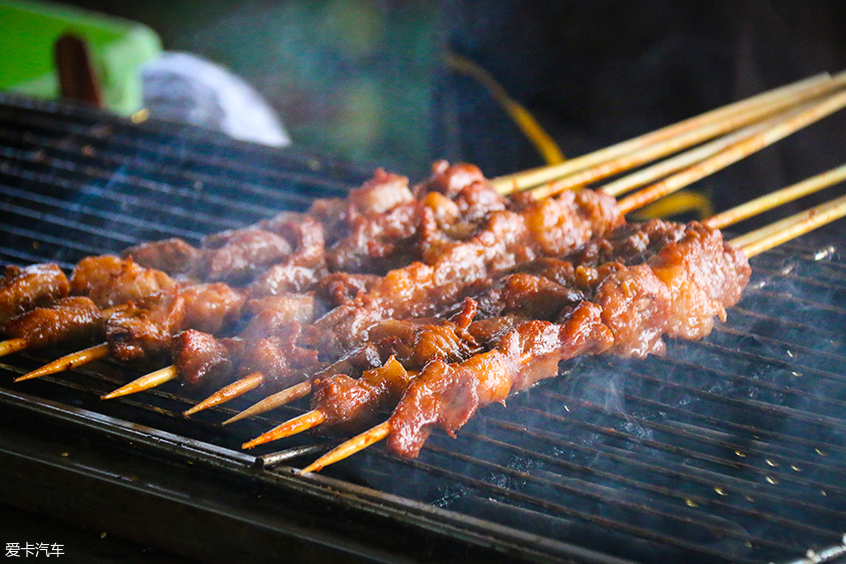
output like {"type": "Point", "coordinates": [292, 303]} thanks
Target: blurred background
{"type": "Point", "coordinates": [377, 81]}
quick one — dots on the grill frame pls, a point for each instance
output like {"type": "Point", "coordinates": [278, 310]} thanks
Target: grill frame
{"type": "Point", "coordinates": [382, 526]}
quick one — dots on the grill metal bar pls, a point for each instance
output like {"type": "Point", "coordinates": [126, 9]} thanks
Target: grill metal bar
{"type": "Point", "coordinates": [703, 495]}
{"type": "Point", "coordinates": [686, 436]}
{"type": "Point", "coordinates": [727, 450]}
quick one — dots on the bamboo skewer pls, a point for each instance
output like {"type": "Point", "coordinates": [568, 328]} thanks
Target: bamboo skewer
{"type": "Point", "coordinates": [69, 361]}
{"type": "Point", "coordinates": [350, 447]}
{"type": "Point", "coordinates": [671, 138]}
{"type": "Point", "coordinates": [10, 346]}
{"type": "Point", "coordinates": [151, 380]}
{"type": "Point", "coordinates": [797, 119]}
{"type": "Point", "coordinates": [775, 234]}
{"type": "Point", "coordinates": [296, 425]}
{"type": "Point", "coordinates": [777, 198]}
{"type": "Point", "coordinates": [242, 386]}
{"type": "Point", "coordinates": [273, 401]}
{"type": "Point", "coordinates": [752, 244]}
{"type": "Point", "coordinates": [682, 160]}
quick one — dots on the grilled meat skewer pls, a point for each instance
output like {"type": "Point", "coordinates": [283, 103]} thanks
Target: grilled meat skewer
{"type": "Point", "coordinates": [67, 322]}
{"type": "Point", "coordinates": [368, 221]}
{"type": "Point", "coordinates": [458, 267]}
{"type": "Point", "coordinates": [677, 292]}
{"type": "Point", "coordinates": [539, 289]}
{"type": "Point", "coordinates": [530, 308]}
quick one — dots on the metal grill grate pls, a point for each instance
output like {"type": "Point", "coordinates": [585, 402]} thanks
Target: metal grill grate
{"type": "Point", "coordinates": [727, 450]}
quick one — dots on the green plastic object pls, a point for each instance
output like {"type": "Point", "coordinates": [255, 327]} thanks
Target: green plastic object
{"type": "Point", "coordinates": [118, 47]}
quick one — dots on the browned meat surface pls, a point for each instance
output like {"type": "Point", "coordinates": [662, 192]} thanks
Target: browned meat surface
{"type": "Point", "coordinates": [110, 281]}
{"type": "Point", "coordinates": [285, 278]}
{"type": "Point", "coordinates": [211, 307]}
{"type": "Point", "coordinates": [409, 345]}
{"type": "Point", "coordinates": [74, 321]}
{"type": "Point", "coordinates": [340, 287]}
{"type": "Point", "coordinates": [381, 193]}
{"type": "Point", "coordinates": [449, 180]}
{"type": "Point", "coordinates": [174, 256]}
{"type": "Point", "coordinates": [301, 308]}
{"type": "Point", "coordinates": [202, 359]}
{"type": "Point", "coordinates": [528, 295]}
{"type": "Point", "coordinates": [678, 291]}
{"type": "Point", "coordinates": [700, 288]}
{"type": "Point", "coordinates": [447, 395]}
{"type": "Point", "coordinates": [340, 330]}
{"type": "Point", "coordinates": [453, 270]}
{"type": "Point", "coordinates": [278, 357]}
{"type": "Point", "coordinates": [633, 243]}
{"type": "Point", "coordinates": [344, 400]}
{"type": "Point", "coordinates": [378, 242]}
{"type": "Point", "coordinates": [141, 333]}
{"type": "Point", "coordinates": [236, 256]}
{"type": "Point", "coordinates": [382, 221]}
{"type": "Point", "coordinates": [22, 289]}
{"type": "Point", "coordinates": [306, 264]}
{"type": "Point", "coordinates": [566, 221]}
{"type": "Point", "coordinates": [332, 214]}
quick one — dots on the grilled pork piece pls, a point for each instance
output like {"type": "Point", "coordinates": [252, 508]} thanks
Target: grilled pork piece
{"type": "Point", "coordinates": [110, 281]}
{"type": "Point", "coordinates": [372, 230]}
{"type": "Point", "coordinates": [70, 321]}
{"type": "Point", "coordinates": [304, 267]}
{"type": "Point", "coordinates": [676, 292]}
{"type": "Point", "coordinates": [211, 307]}
{"type": "Point", "coordinates": [22, 289]}
{"type": "Point", "coordinates": [141, 332]}
{"type": "Point", "coordinates": [236, 256]}
{"type": "Point", "coordinates": [266, 345]}
{"type": "Point", "coordinates": [454, 270]}
{"type": "Point", "coordinates": [201, 358]}
{"type": "Point", "coordinates": [174, 256]}
{"type": "Point", "coordinates": [409, 345]}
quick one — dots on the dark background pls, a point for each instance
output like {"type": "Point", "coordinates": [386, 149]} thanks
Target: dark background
{"type": "Point", "coordinates": [369, 81]}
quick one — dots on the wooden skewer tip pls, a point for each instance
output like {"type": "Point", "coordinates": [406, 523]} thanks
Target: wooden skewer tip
{"type": "Point", "coordinates": [151, 380]}
{"type": "Point", "coordinates": [12, 346]}
{"type": "Point", "coordinates": [79, 358]}
{"type": "Point", "coordinates": [232, 391]}
{"type": "Point", "coordinates": [352, 446]}
{"type": "Point", "coordinates": [296, 425]}
{"type": "Point", "coordinates": [273, 401]}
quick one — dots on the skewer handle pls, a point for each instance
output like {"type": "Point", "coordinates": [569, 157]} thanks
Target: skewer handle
{"type": "Point", "coordinates": [777, 198]}
{"type": "Point", "coordinates": [667, 139]}
{"type": "Point", "coordinates": [775, 234]}
{"type": "Point", "coordinates": [781, 128]}
{"type": "Point", "coordinates": [278, 399]}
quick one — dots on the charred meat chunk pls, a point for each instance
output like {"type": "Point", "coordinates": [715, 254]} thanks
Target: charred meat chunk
{"type": "Point", "coordinates": [74, 321]}
{"type": "Point", "coordinates": [22, 289]}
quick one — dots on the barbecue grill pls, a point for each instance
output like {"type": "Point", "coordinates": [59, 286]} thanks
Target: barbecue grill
{"type": "Point", "coordinates": [731, 449]}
